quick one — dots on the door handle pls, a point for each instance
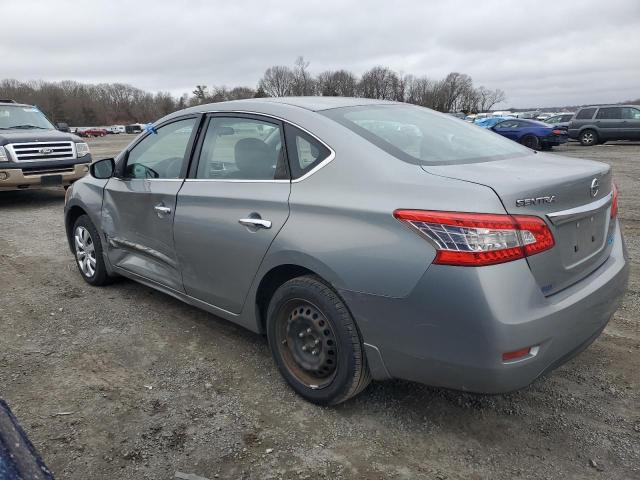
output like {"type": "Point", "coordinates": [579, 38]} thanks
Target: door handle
{"type": "Point", "coordinates": [162, 210]}
{"type": "Point", "coordinates": [255, 222]}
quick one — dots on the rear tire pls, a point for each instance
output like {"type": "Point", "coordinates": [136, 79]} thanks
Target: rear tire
{"type": "Point", "coordinates": [315, 342]}
{"type": "Point", "coordinates": [88, 252]}
{"type": "Point", "coordinates": [588, 138]}
{"type": "Point", "coordinates": [531, 141]}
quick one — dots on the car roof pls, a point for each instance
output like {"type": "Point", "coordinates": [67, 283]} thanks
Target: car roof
{"type": "Point", "coordinates": [309, 103]}
{"type": "Point", "coordinates": [13, 104]}
{"type": "Point", "coordinates": [606, 106]}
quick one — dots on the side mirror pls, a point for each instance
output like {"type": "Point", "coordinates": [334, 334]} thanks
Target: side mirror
{"type": "Point", "coordinates": [63, 127]}
{"type": "Point", "coordinates": [103, 169]}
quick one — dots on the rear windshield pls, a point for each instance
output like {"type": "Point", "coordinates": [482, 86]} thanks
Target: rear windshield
{"type": "Point", "coordinates": [421, 136]}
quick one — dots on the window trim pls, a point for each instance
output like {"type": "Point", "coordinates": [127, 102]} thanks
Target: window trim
{"type": "Point", "coordinates": [193, 167]}
{"type": "Point", "coordinates": [186, 160]}
{"type": "Point", "coordinates": [291, 141]}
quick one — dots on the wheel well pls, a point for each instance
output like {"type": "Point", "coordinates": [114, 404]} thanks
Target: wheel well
{"type": "Point", "coordinates": [270, 283]}
{"type": "Point", "coordinates": [74, 213]}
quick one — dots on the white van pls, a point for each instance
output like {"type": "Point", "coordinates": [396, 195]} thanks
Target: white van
{"type": "Point", "coordinates": [116, 129]}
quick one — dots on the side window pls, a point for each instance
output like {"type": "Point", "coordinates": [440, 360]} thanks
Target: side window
{"type": "Point", "coordinates": [242, 149]}
{"type": "Point", "coordinates": [585, 114]}
{"type": "Point", "coordinates": [630, 113]}
{"type": "Point", "coordinates": [566, 118]}
{"type": "Point", "coordinates": [305, 152]}
{"type": "Point", "coordinates": [609, 113]}
{"type": "Point", "coordinates": [162, 154]}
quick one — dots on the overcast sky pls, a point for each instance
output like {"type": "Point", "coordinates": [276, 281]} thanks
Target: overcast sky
{"type": "Point", "coordinates": [549, 53]}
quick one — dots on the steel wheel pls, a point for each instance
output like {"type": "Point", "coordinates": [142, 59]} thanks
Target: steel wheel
{"type": "Point", "coordinates": [85, 251]}
{"type": "Point", "coordinates": [307, 343]}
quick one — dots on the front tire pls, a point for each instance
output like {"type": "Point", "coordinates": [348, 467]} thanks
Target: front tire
{"type": "Point", "coordinates": [315, 342]}
{"type": "Point", "coordinates": [88, 252]}
{"type": "Point", "coordinates": [588, 138]}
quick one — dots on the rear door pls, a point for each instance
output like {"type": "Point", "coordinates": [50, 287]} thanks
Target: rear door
{"type": "Point", "coordinates": [231, 207]}
{"type": "Point", "coordinates": [609, 122]}
{"type": "Point", "coordinates": [631, 123]}
{"type": "Point", "coordinates": [139, 206]}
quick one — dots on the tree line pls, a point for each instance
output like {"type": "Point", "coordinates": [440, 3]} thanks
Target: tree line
{"type": "Point", "coordinates": [118, 103]}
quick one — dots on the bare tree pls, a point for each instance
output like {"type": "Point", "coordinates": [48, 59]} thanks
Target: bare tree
{"type": "Point", "coordinates": [379, 82]}
{"type": "Point", "coordinates": [277, 81]}
{"type": "Point", "coordinates": [488, 98]}
{"type": "Point", "coordinates": [303, 82]}
{"type": "Point", "coordinates": [340, 83]}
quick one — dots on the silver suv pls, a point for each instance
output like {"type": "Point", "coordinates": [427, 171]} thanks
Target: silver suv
{"type": "Point", "coordinates": [366, 239]}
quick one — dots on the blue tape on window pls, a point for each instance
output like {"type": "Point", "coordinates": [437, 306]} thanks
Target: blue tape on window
{"type": "Point", "coordinates": [151, 129]}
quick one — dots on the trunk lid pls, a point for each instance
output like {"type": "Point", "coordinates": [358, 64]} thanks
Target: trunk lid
{"type": "Point", "coordinates": [558, 190]}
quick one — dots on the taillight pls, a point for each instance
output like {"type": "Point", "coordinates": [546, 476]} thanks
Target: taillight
{"type": "Point", "coordinates": [476, 239]}
{"type": "Point", "coordinates": [614, 202]}
{"type": "Point", "coordinates": [558, 132]}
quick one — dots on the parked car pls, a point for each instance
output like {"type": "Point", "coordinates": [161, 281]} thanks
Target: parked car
{"type": "Point", "coordinates": [531, 133]}
{"type": "Point", "coordinates": [34, 154]}
{"type": "Point", "coordinates": [598, 124]}
{"type": "Point", "coordinates": [117, 129]}
{"type": "Point", "coordinates": [93, 132]}
{"type": "Point", "coordinates": [488, 122]}
{"type": "Point", "coordinates": [560, 120]}
{"type": "Point", "coordinates": [134, 128]}
{"type": "Point", "coordinates": [435, 251]}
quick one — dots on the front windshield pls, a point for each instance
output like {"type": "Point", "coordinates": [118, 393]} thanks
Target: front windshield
{"type": "Point", "coordinates": [21, 117]}
{"type": "Point", "coordinates": [419, 135]}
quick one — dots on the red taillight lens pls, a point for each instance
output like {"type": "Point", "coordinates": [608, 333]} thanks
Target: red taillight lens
{"type": "Point", "coordinates": [476, 239]}
{"type": "Point", "coordinates": [614, 202]}
{"type": "Point", "coordinates": [558, 132]}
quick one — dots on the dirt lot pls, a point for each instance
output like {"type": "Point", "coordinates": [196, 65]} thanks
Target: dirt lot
{"type": "Point", "coordinates": [125, 382]}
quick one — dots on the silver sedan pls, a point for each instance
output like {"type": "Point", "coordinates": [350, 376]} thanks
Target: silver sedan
{"type": "Point", "coordinates": [366, 239]}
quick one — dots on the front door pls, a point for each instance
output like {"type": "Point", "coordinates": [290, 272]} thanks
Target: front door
{"type": "Point", "coordinates": [231, 208]}
{"type": "Point", "coordinates": [139, 204]}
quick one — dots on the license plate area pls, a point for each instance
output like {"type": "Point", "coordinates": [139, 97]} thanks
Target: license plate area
{"type": "Point", "coordinates": [583, 238]}
{"type": "Point", "coordinates": [51, 180]}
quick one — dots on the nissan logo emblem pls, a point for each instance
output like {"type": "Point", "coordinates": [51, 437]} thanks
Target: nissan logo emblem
{"type": "Point", "coordinates": [595, 187]}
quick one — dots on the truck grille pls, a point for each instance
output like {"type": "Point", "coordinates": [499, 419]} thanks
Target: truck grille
{"type": "Point", "coordinates": [39, 151]}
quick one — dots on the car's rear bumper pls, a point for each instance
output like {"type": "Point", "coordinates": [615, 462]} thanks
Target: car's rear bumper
{"type": "Point", "coordinates": [18, 179]}
{"type": "Point", "coordinates": [452, 330]}
{"type": "Point", "coordinates": [555, 140]}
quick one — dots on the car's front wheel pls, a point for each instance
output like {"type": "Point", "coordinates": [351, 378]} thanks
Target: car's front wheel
{"type": "Point", "coordinates": [588, 138]}
{"type": "Point", "coordinates": [315, 342]}
{"type": "Point", "coordinates": [88, 252]}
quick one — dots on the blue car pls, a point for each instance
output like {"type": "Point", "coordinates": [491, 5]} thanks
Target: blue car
{"type": "Point", "coordinates": [531, 133]}
{"type": "Point", "coordinates": [489, 122]}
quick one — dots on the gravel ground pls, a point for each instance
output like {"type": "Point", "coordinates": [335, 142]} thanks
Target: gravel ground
{"type": "Point", "coordinates": [126, 382]}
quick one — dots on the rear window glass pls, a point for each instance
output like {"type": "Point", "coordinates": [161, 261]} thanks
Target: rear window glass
{"type": "Point", "coordinates": [585, 113]}
{"type": "Point", "coordinates": [421, 136]}
{"type": "Point", "coordinates": [610, 113]}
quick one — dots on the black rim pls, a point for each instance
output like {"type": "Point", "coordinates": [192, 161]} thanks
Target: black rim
{"type": "Point", "coordinates": [307, 343]}
{"type": "Point", "coordinates": [530, 142]}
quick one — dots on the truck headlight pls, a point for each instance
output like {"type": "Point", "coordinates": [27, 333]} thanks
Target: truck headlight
{"type": "Point", "coordinates": [82, 149]}
{"type": "Point", "coordinates": [3, 155]}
